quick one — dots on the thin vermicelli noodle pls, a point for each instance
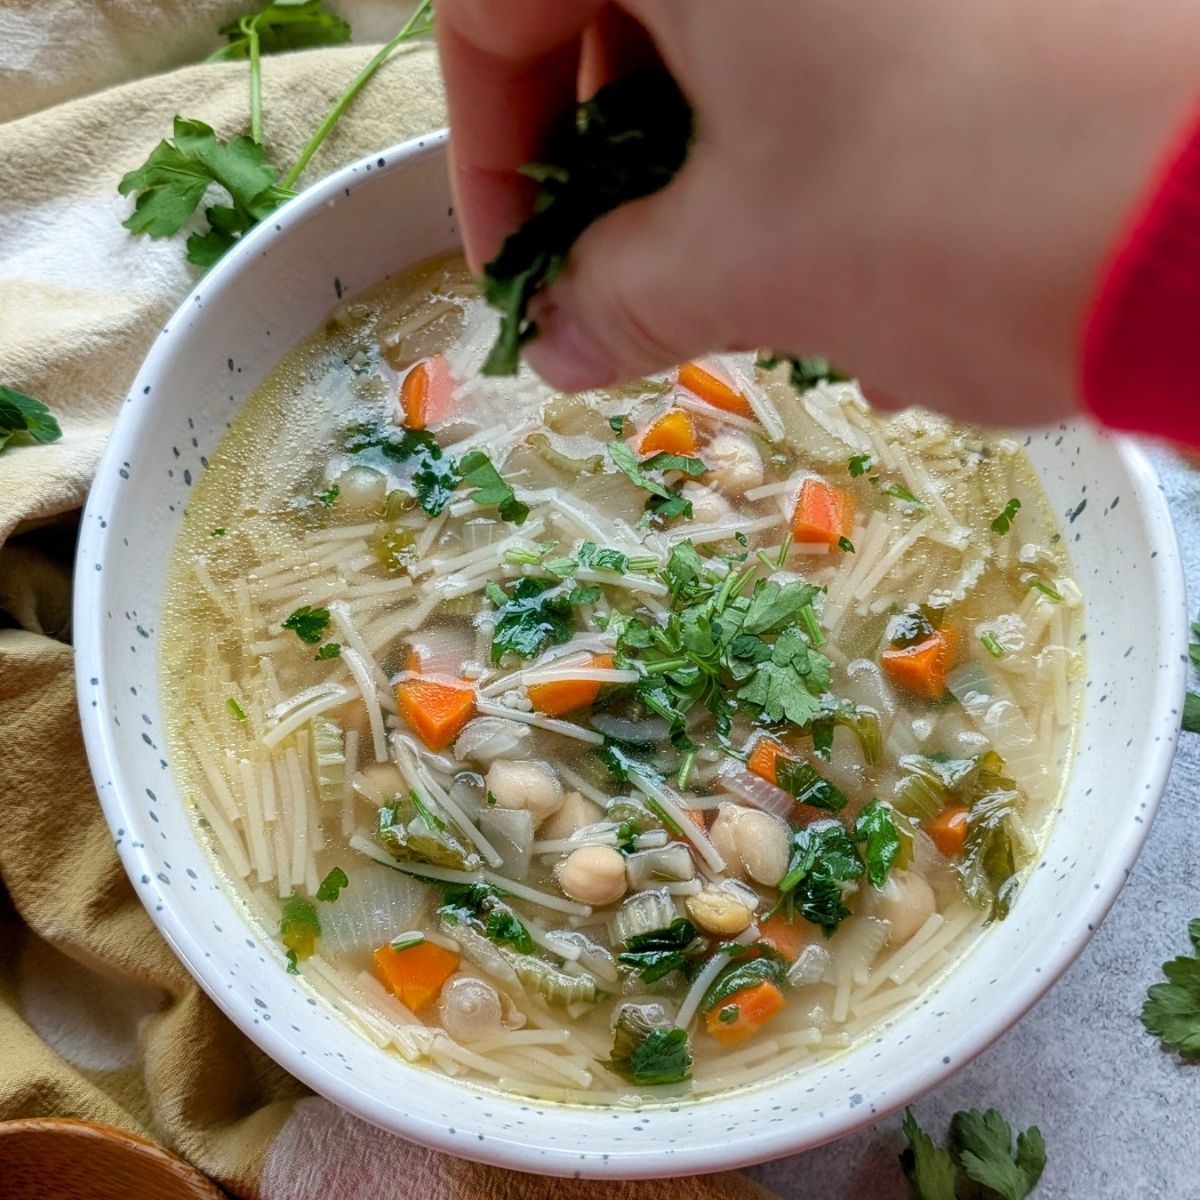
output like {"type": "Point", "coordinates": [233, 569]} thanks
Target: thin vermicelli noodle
{"type": "Point", "coordinates": [618, 748]}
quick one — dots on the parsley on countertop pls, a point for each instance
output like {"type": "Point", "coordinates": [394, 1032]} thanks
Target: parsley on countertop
{"type": "Point", "coordinates": [1172, 1009]}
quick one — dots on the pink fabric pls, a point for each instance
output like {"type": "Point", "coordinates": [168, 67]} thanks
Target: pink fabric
{"type": "Point", "coordinates": [1141, 348]}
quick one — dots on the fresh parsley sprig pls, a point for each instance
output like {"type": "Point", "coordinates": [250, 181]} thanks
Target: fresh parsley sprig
{"type": "Point", "coordinates": [25, 420]}
{"type": "Point", "coordinates": [177, 176]}
{"type": "Point", "coordinates": [981, 1153]}
{"type": "Point", "coordinates": [1191, 702]}
{"type": "Point", "coordinates": [1172, 1009]}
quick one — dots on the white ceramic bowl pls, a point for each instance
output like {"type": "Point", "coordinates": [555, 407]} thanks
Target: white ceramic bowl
{"type": "Point", "coordinates": [272, 290]}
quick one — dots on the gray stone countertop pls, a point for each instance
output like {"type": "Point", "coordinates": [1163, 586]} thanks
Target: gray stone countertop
{"type": "Point", "coordinates": [1120, 1116]}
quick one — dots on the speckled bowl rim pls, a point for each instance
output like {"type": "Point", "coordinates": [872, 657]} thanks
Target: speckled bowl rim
{"type": "Point", "coordinates": [708, 1153]}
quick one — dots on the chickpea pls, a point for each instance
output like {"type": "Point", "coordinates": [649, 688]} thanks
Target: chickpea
{"type": "Point", "coordinates": [734, 464]}
{"type": "Point", "coordinates": [721, 834]}
{"type": "Point", "coordinates": [525, 785]}
{"type": "Point", "coordinates": [470, 1008]}
{"type": "Point", "coordinates": [709, 507]}
{"type": "Point", "coordinates": [593, 875]}
{"type": "Point", "coordinates": [763, 844]}
{"type": "Point", "coordinates": [718, 912]}
{"type": "Point", "coordinates": [906, 901]}
{"type": "Point", "coordinates": [576, 812]}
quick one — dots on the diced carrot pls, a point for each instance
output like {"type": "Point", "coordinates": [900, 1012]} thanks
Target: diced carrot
{"type": "Point", "coordinates": [949, 829]}
{"type": "Point", "coordinates": [672, 433]}
{"type": "Point", "coordinates": [566, 695]}
{"type": "Point", "coordinates": [824, 514]}
{"type": "Point", "coordinates": [763, 759]}
{"type": "Point", "coordinates": [713, 391]}
{"type": "Point", "coordinates": [436, 709]}
{"type": "Point", "coordinates": [415, 975]}
{"type": "Point", "coordinates": [785, 936]}
{"type": "Point", "coordinates": [743, 1014]}
{"type": "Point", "coordinates": [426, 392]}
{"type": "Point", "coordinates": [921, 669]}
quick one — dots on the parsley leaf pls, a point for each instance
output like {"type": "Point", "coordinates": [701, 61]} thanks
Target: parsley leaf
{"type": "Point", "coordinates": [985, 1151]}
{"type": "Point", "coordinates": [284, 25]}
{"type": "Point", "coordinates": [859, 464]}
{"type": "Point", "coordinates": [602, 560]}
{"type": "Point", "coordinates": [1191, 702]}
{"type": "Point", "coordinates": [627, 141]}
{"type": "Point", "coordinates": [172, 182]}
{"type": "Point", "coordinates": [646, 1050]}
{"type": "Point", "coordinates": [1172, 1009]}
{"type": "Point", "coordinates": [331, 886]}
{"type": "Point", "coordinates": [875, 827]}
{"type": "Point", "coordinates": [928, 1168]}
{"type": "Point", "coordinates": [768, 967]}
{"type": "Point", "coordinates": [239, 713]}
{"type": "Point", "coordinates": [823, 859]}
{"type": "Point", "coordinates": [327, 651]}
{"type": "Point", "coordinates": [773, 604]}
{"type": "Point", "coordinates": [534, 614]}
{"type": "Point", "coordinates": [490, 489]}
{"type": "Point", "coordinates": [480, 906]}
{"type": "Point", "coordinates": [656, 954]}
{"type": "Point", "coordinates": [901, 493]}
{"type": "Point", "coordinates": [1002, 523]}
{"type": "Point", "coordinates": [790, 683]}
{"type": "Point", "coordinates": [308, 624]}
{"type": "Point", "coordinates": [664, 502]}
{"type": "Point", "coordinates": [805, 371]}
{"type": "Point", "coordinates": [24, 419]}
{"type": "Point", "coordinates": [329, 495]}
{"type": "Point", "coordinates": [434, 475]}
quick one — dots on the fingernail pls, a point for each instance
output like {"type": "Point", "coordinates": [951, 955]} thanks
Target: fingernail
{"type": "Point", "coordinates": [565, 355]}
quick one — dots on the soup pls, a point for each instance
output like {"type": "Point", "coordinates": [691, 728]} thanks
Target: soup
{"type": "Point", "coordinates": [620, 746]}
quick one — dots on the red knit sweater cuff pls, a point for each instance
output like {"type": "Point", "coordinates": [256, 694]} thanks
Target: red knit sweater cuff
{"type": "Point", "coordinates": [1141, 347]}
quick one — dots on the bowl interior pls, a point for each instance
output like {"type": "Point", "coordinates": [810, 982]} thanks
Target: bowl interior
{"type": "Point", "coordinates": [376, 218]}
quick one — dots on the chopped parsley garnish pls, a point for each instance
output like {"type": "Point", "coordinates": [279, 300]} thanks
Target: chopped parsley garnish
{"type": "Point", "coordinates": [234, 707]}
{"type": "Point", "coordinates": [433, 822]}
{"type": "Point", "coordinates": [859, 464]}
{"type": "Point", "coordinates": [805, 371]}
{"type": "Point", "coordinates": [901, 493]}
{"type": "Point", "coordinates": [657, 954]}
{"type": "Point", "coordinates": [24, 420]}
{"type": "Point", "coordinates": [823, 860]}
{"type": "Point", "coordinates": [481, 907]}
{"type": "Point", "coordinates": [664, 502]}
{"type": "Point", "coordinates": [534, 614]}
{"type": "Point", "coordinates": [627, 141]}
{"type": "Point", "coordinates": [1172, 1009]}
{"type": "Point", "coordinates": [594, 559]}
{"type": "Point", "coordinates": [617, 425]}
{"type": "Point", "coordinates": [981, 1153]}
{"type": "Point", "coordinates": [875, 830]}
{"type": "Point", "coordinates": [331, 886]}
{"type": "Point", "coordinates": [1191, 702]}
{"type": "Point", "coordinates": [291, 959]}
{"type": "Point", "coordinates": [219, 532]}
{"type": "Point", "coordinates": [329, 495]}
{"type": "Point", "coordinates": [1002, 523]}
{"type": "Point", "coordinates": [329, 650]}
{"type": "Point", "coordinates": [434, 475]}
{"type": "Point", "coordinates": [647, 1052]}
{"type": "Point", "coordinates": [479, 472]}
{"type": "Point", "coordinates": [308, 624]}
{"type": "Point", "coordinates": [991, 644]}
{"type": "Point", "coordinates": [299, 926]}
{"type": "Point", "coordinates": [845, 545]}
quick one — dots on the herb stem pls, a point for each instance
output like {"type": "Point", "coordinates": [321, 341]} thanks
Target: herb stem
{"type": "Point", "coordinates": [250, 27]}
{"type": "Point", "coordinates": [415, 26]}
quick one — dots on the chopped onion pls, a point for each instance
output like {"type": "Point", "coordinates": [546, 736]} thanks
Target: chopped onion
{"type": "Point", "coordinates": [755, 790]}
{"type": "Point", "coordinates": [376, 906]}
{"type": "Point", "coordinates": [487, 738]}
{"type": "Point", "coordinates": [810, 966]}
{"type": "Point", "coordinates": [644, 912]}
{"type": "Point", "coordinates": [510, 830]}
{"type": "Point", "coordinates": [671, 864]}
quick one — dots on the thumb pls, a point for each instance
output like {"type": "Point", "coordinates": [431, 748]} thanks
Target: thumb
{"type": "Point", "coordinates": [638, 293]}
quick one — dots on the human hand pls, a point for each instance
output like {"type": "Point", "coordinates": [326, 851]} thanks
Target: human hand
{"type": "Point", "coordinates": [924, 193]}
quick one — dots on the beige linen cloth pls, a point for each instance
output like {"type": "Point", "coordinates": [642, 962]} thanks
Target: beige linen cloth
{"type": "Point", "coordinates": [98, 1020]}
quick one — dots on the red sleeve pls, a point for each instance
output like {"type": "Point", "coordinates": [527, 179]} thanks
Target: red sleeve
{"type": "Point", "coordinates": [1140, 364]}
